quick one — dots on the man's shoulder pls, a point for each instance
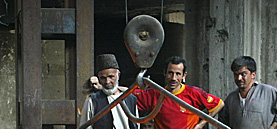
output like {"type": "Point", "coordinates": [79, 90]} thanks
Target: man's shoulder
{"type": "Point", "coordinates": [233, 93]}
{"type": "Point", "coordinates": [266, 86]}
{"type": "Point", "coordinates": [193, 89]}
{"type": "Point", "coordinates": [268, 89]}
{"type": "Point", "coordinates": [122, 88]}
{"type": "Point", "coordinates": [146, 90]}
{"type": "Point", "coordinates": [97, 94]}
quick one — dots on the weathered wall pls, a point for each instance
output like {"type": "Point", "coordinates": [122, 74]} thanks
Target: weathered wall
{"type": "Point", "coordinates": [196, 42]}
{"type": "Point", "coordinates": [268, 56]}
{"type": "Point", "coordinates": [241, 28]}
{"type": "Point", "coordinates": [225, 43]}
{"type": "Point", "coordinates": [7, 80]}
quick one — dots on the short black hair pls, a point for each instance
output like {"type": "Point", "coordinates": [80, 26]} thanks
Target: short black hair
{"type": "Point", "coordinates": [243, 61]}
{"type": "Point", "coordinates": [175, 60]}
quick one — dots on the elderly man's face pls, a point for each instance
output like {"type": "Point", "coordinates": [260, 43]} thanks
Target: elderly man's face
{"type": "Point", "coordinates": [108, 78]}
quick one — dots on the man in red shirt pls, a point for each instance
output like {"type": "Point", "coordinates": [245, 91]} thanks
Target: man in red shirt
{"type": "Point", "coordinates": [172, 115]}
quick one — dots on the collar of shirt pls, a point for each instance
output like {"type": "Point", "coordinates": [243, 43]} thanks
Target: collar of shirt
{"type": "Point", "coordinates": [180, 90]}
{"type": "Point", "coordinates": [249, 94]}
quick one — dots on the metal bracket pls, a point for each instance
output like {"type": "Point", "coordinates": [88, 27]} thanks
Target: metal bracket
{"type": "Point", "coordinates": [140, 80]}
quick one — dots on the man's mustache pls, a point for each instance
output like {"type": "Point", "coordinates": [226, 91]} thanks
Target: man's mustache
{"type": "Point", "coordinates": [172, 81]}
{"type": "Point", "coordinates": [108, 85]}
{"type": "Point", "coordinates": [239, 81]}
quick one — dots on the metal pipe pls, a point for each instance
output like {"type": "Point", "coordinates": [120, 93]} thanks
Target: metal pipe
{"type": "Point", "coordinates": [147, 118]}
{"type": "Point", "coordinates": [184, 104]}
{"type": "Point", "coordinates": [109, 107]}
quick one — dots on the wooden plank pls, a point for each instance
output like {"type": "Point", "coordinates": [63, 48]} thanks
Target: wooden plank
{"type": "Point", "coordinates": [58, 20]}
{"type": "Point", "coordinates": [146, 6]}
{"type": "Point", "coordinates": [32, 68]}
{"type": "Point", "coordinates": [70, 68]}
{"type": "Point", "coordinates": [85, 48]}
{"type": "Point", "coordinates": [19, 73]}
{"type": "Point", "coordinates": [58, 112]}
{"type": "Point", "coordinates": [53, 67]}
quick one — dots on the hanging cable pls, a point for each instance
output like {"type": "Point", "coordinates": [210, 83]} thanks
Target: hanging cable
{"type": "Point", "coordinates": [126, 10]}
{"type": "Point", "coordinates": [162, 9]}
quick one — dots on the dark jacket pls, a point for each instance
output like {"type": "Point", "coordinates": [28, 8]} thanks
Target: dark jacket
{"type": "Point", "coordinates": [100, 100]}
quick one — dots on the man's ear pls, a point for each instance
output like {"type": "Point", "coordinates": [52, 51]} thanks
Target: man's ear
{"type": "Point", "coordinates": [118, 73]}
{"type": "Point", "coordinates": [253, 74]}
{"type": "Point", "coordinates": [164, 72]}
{"type": "Point", "coordinates": [185, 75]}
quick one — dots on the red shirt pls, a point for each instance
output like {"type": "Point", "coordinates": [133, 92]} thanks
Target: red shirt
{"type": "Point", "coordinates": [172, 115]}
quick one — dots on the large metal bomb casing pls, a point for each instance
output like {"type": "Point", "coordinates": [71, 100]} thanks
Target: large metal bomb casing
{"type": "Point", "coordinates": [143, 37]}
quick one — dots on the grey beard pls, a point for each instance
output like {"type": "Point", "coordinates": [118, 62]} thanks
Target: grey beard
{"type": "Point", "coordinates": [109, 92]}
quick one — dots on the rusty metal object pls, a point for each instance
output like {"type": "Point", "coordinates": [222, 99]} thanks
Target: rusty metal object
{"type": "Point", "coordinates": [31, 65]}
{"type": "Point", "coordinates": [58, 21]}
{"type": "Point", "coordinates": [143, 37]}
{"type": "Point", "coordinates": [63, 110]}
{"type": "Point", "coordinates": [147, 118]}
{"type": "Point", "coordinates": [84, 48]}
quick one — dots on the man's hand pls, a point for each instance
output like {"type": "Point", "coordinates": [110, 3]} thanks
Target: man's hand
{"type": "Point", "coordinates": [95, 83]}
{"type": "Point", "coordinates": [202, 123]}
{"type": "Point", "coordinates": [199, 125]}
{"type": "Point", "coordinates": [122, 88]}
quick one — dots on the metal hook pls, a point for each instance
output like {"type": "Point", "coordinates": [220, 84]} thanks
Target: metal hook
{"type": "Point", "coordinates": [147, 118]}
{"type": "Point", "coordinates": [139, 79]}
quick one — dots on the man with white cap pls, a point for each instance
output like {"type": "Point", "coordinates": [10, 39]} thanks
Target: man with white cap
{"type": "Point", "coordinates": [108, 75]}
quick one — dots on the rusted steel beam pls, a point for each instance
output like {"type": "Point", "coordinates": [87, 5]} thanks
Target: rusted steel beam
{"type": "Point", "coordinates": [117, 6]}
{"type": "Point", "coordinates": [84, 48]}
{"type": "Point", "coordinates": [31, 63]}
{"type": "Point", "coordinates": [70, 68]}
{"type": "Point", "coordinates": [58, 112]}
{"type": "Point", "coordinates": [58, 21]}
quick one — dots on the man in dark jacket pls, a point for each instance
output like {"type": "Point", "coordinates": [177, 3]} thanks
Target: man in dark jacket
{"type": "Point", "coordinates": [108, 75]}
